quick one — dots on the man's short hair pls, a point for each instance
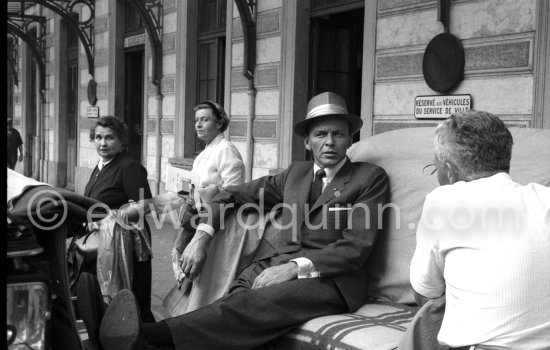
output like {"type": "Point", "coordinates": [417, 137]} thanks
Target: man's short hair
{"type": "Point", "coordinates": [476, 142]}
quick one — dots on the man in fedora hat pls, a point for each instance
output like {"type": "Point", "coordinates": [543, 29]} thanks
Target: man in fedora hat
{"type": "Point", "coordinates": [315, 266]}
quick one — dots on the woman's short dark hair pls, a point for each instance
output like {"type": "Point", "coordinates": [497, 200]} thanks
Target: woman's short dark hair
{"type": "Point", "coordinates": [113, 123]}
{"type": "Point", "coordinates": [220, 116]}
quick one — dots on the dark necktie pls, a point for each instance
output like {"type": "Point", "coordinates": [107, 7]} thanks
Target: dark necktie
{"type": "Point", "coordinates": [316, 187]}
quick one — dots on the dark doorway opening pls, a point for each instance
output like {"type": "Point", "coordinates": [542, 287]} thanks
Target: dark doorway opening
{"type": "Point", "coordinates": [133, 102]}
{"type": "Point", "coordinates": [336, 56]}
{"type": "Point", "coordinates": [72, 106]}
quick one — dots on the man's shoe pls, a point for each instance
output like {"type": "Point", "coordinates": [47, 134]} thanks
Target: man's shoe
{"type": "Point", "coordinates": [121, 325]}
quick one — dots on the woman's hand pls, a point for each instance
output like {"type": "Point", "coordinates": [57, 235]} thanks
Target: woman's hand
{"type": "Point", "coordinates": [178, 272]}
{"type": "Point", "coordinates": [194, 255]}
{"type": "Point", "coordinates": [208, 193]}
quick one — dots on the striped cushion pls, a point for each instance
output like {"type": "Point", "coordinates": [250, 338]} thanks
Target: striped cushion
{"type": "Point", "coordinates": [376, 325]}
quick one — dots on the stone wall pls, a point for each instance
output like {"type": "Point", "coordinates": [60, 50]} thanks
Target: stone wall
{"type": "Point", "coordinates": [498, 42]}
{"type": "Point", "coordinates": [266, 129]}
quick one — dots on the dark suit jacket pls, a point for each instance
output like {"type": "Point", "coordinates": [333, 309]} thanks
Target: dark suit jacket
{"type": "Point", "coordinates": [120, 180]}
{"type": "Point", "coordinates": [337, 241]}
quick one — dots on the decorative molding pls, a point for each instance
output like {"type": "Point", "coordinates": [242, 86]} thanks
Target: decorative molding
{"type": "Point", "coordinates": [266, 77]}
{"type": "Point", "coordinates": [267, 24]}
{"type": "Point", "coordinates": [101, 24]}
{"type": "Point", "coordinates": [399, 7]}
{"type": "Point", "coordinates": [169, 6]}
{"type": "Point", "coordinates": [169, 84]}
{"type": "Point", "coordinates": [101, 57]}
{"type": "Point", "coordinates": [262, 129]}
{"type": "Point", "coordinates": [388, 123]}
{"type": "Point", "coordinates": [381, 126]}
{"type": "Point", "coordinates": [503, 55]}
{"type": "Point", "coordinates": [335, 6]}
{"type": "Point", "coordinates": [167, 126]}
{"type": "Point", "coordinates": [169, 43]}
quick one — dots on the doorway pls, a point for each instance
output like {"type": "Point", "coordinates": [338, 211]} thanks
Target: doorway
{"type": "Point", "coordinates": [133, 102]}
{"type": "Point", "coordinates": [72, 115]}
{"type": "Point", "coordinates": [336, 56]}
{"type": "Point", "coordinates": [72, 108]}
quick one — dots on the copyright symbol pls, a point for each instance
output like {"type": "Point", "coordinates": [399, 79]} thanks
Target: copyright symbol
{"type": "Point", "coordinates": [47, 197]}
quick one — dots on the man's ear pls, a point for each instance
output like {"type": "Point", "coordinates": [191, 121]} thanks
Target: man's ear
{"type": "Point", "coordinates": [306, 143]}
{"type": "Point", "coordinates": [451, 172]}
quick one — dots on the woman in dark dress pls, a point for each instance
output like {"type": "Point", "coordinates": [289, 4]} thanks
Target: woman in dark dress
{"type": "Point", "coordinates": [114, 181]}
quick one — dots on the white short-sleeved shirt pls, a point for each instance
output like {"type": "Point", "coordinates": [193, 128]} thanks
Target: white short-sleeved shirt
{"type": "Point", "coordinates": [486, 245]}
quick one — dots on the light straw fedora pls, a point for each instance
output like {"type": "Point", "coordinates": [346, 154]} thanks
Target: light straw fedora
{"type": "Point", "coordinates": [324, 105]}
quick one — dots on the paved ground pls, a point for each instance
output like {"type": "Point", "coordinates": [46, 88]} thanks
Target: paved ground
{"type": "Point", "coordinates": [163, 277]}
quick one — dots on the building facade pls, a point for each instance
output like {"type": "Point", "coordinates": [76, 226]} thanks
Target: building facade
{"type": "Point", "coordinates": [149, 62]}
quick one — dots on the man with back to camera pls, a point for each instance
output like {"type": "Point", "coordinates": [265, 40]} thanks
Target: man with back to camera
{"type": "Point", "coordinates": [322, 246]}
{"type": "Point", "coordinates": [15, 144]}
{"type": "Point", "coordinates": [483, 241]}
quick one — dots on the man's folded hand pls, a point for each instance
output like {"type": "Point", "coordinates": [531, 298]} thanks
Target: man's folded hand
{"type": "Point", "coordinates": [275, 275]}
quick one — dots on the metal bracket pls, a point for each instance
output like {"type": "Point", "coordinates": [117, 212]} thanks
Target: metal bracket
{"type": "Point", "coordinates": [444, 13]}
{"type": "Point", "coordinates": [84, 27]}
{"type": "Point", "coordinates": [151, 11]}
{"type": "Point", "coordinates": [21, 26]}
{"type": "Point", "coordinates": [247, 11]}
{"type": "Point", "coordinates": [13, 57]}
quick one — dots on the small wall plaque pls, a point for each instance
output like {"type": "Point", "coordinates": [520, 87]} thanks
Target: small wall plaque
{"type": "Point", "coordinates": [92, 112]}
{"type": "Point", "coordinates": [134, 40]}
{"type": "Point", "coordinates": [440, 106]}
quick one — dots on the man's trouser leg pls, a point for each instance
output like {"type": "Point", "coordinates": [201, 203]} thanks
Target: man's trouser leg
{"type": "Point", "coordinates": [249, 318]}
